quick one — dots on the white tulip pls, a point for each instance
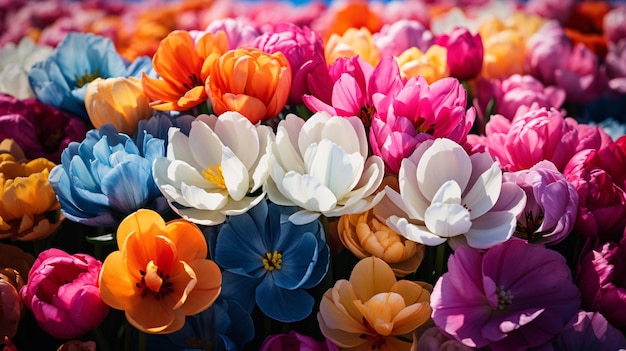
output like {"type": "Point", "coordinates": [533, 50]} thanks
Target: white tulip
{"type": "Point", "coordinates": [218, 170]}
{"type": "Point", "coordinates": [15, 64]}
{"type": "Point", "coordinates": [446, 194]}
{"type": "Point", "coordinates": [322, 166]}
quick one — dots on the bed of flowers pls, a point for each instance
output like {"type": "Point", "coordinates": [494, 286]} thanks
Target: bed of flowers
{"type": "Point", "coordinates": [320, 176]}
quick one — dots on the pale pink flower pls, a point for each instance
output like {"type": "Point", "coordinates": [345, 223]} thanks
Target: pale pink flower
{"type": "Point", "coordinates": [419, 112]}
{"type": "Point", "coordinates": [616, 66]}
{"type": "Point", "coordinates": [524, 90]}
{"type": "Point", "coordinates": [614, 24]}
{"type": "Point", "coordinates": [551, 204]}
{"type": "Point", "coordinates": [550, 9]}
{"type": "Point", "coordinates": [396, 37]}
{"type": "Point", "coordinates": [238, 32]}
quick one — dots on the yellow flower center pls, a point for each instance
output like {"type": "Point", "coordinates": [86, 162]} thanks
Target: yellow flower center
{"type": "Point", "coordinates": [272, 260]}
{"type": "Point", "coordinates": [214, 175]}
{"type": "Point", "coordinates": [86, 78]}
{"type": "Point", "coordinates": [155, 281]}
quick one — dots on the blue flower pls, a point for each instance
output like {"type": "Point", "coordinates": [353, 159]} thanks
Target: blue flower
{"type": "Point", "coordinates": [105, 178]}
{"type": "Point", "coordinates": [159, 125]}
{"type": "Point", "coordinates": [61, 80]}
{"type": "Point", "coordinates": [268, 259]}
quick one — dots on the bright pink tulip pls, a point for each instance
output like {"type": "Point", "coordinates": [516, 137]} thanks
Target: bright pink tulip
{"type": "Point", "coordinates": [465, 52]}
{"type": "Point", "coordinates": [62, 292]}
{"type": "Point", "coordinates": [396, 37]}
{"type": "Point", "coordinates": [599, 176]}
{"type": "Point", "coordinates": [517, 91]}
{"type": "Point", "coordinates": [419, 112]}
{"type": "Point", "coordinates": [295, 341]}
{"type": "Point", "coordinates": [354, 83]}
{"type": "Point", "coordinates": [303, 48]}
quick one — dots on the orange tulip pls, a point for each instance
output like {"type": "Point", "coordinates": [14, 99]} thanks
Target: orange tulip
{"type": "Point", "coordinates": [160, 274]}
{"type": "Point", "coordinates": [251, 82]}
{"type": "Point", "coordinates": [364, 235]}
{"type": "Point", "coordinates": [352, 43]}
{"type": "Point", "coordinates": [29, 209]}
{"type": "Point", "coordinates": [373, 311]}
{"type": "Point", "coordinates": [355, 14]}
{"type": "Point", "coordinates": [183, 67]}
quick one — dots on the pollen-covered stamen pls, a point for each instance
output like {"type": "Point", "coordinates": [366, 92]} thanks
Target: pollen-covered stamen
{"type": "Point", "coordinates": [272, 260]}
{"type": "Point", "coordinates": [86, 78]}
{"type": "Point", "coordinates": [155, 282]}
{"type": "Point", "coordinates": [421, 127]}
{"type": "Point", "coordinates": [214, 175]}
{"type": "Point", "coordinates": [366, 115]}
{"type": "Point", "coordinates": [505, 297]}
{"type": "Point", "coordinates": [194, 81]}
{"type": "Point", "coordinates": [374, 339]}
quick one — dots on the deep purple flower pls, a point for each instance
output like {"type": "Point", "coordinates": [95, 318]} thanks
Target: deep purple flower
{"type": "Point", "coordinates": [464, 52]}
{"type": "Point", "coordinates": [513, 296]}
{"type": "Point", "coordinates": [295, 341]}
{"type": "Point", "coordinates": [39, 129]}
{"type": "Point", "coordinates": [589, 331]}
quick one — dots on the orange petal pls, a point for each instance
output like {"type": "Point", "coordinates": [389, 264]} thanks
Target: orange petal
{"type": "Point", "coordinates": [141, 249]}
{"type": "Point", "coordinates": [191, 98]}
{"type": "Point", "coordinates": [117, 287]}
{"type": "Point", "coordinates": [176, 58]}
{"type": "Point", "coordinates": [188, 239]}
{"type": "Point", "coordinates": [207, 288]}
{"type": "Point", "coordinates": [141, 221]}
{"type": "Point", "coordinates": [371, 276]}
{"type": "Point", "coordinates": [252, 108]}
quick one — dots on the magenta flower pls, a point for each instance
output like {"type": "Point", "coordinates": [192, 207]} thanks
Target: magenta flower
{"type": "Point", "coordinates": [600, 278]}
{"type": "Point", "coordinates": [599, 177]}
{"type": "Point", "coordinates": [354, 83]}
{"type": "Point", "coordinates": [295, 341]}
{"type": "Point", "coordinates": [434, 340]}
{"type": "Point", "coordinates": [517, 91]}
{"type": "Point", "coordinates": [62, 292]}
{"type": "Point", "coordinates": [303, 48]}
{"type": "Point", "coordinates": [553, 59]}
{"type": "Point", "coordinates": [514, 296]}
{"type": "Point", "coordinates": [464, 52]}
{"type": "Point", "coordinates": [550, 9]}
{"type": "Point", "coordinates": [614, 24]}
{"type": "Point", "coordinates": [396, 37]}
{"type": "Point", "coordinates": [589, 331]}
{"type": "Point", "coordinates": [616, 65]}
{"type": "Point", "coordinates": [551, 204]}
{"type": "Point", "coordinates": [238, 32]}
{"type": "Point", "coordinates": [419, 112]}
{"type": "Point", "coordinates": [39, 129]}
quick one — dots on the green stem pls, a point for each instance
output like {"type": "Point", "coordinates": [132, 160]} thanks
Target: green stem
{"type": "Point", "coordinates": [439, 261]}
{"type": "Point", "coordinates": [143, 341]}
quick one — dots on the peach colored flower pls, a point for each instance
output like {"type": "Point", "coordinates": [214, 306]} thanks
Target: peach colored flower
{"type": "Point", "coordinates": [251, 82]}
{"type": "Point", "coordinates": [160, 274]}
{"type": "Point", "coordinates": [432, 64]}
{"type": "Point", "coordinates": [364, 235]}
{"type": "Point", "coordinates": [372, 310]}
{"type": "Point", "coordinates": [352, 43]}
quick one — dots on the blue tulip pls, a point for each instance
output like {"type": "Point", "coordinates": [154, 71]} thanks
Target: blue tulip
{"type": "Point", "coordinates": [105, 178]}
{"type": "Point", "coordinates": [61, 80]}
{"type": "Point", "coordinates": [270, 261]}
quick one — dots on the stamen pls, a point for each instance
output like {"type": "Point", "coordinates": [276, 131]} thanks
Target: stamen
{"type": "Point", "coordinates": [505, 297]}
{"type": "Point", "coordinates": [272, 260]}
{"type": "Point", "coordinates": [214, 175]}
{"type": "Point", "coordinates": [86, 78]}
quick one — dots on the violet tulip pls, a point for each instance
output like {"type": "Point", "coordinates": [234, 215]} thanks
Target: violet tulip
{"type": "Point", "coordinates": [295, 341]}
{"type": "Point", "coordinates": [551, 204]}
{"type": "Point", "coordinates": [62, 292]}
{"type": "Point", "coordinates": [464, 52]}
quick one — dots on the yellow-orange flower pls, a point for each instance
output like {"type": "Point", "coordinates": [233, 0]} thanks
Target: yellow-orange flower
{"type": "Point", "coordinates": [352, 14]}
{"type": "Point", "coordinates": [432, 64]}
{"type": "Point", "coordinates": [119, 101]}
{"type": "Point", "coordinates": [373, 311]}
{"type": "Point", "coordinates": [352, 43]}
{"type": "Point", "coordinates": [29, 209]}
{"type": "Point", "coordinates": [160, 274]}
{"type": "Point", "coordinates": [183, 67]}
{"type": "Point", "coordinates": [251, 82]}
{"type": "Point", "coordinates": [364, 235]}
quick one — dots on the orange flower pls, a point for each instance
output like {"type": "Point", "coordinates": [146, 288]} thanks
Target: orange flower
{"type": "Point", "coordinates": [352, 43]}
{"type": "Point", "coordinates": [251, 82]}
{"type": "Point", "coordinates": [432, 64]}
{"type": "Point", "coordinates": [372, 310]}
{"type": "Point", "coordinates": [585, 24]}
{"type": "Point", "coordinates": [160, 274]}
{"type": "Point", "coordinates": [353, 15]}
{"type": "Point", "coordinates": [183, 67]}
{"type": "Point", "coordinates": [364, 235]}
{"type": "Point", "coordinates": [29, 209]}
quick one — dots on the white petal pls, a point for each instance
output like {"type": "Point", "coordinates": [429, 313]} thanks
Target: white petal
{"type": "Point", "coordinates": [333, 167]}
{"type": "Point", "coordinates": [444, 160]}
{"type": "Point", "coordinates": [240, 135]}
{"type": "Point", "coordinates": [370, 180]}
{"type": "Point", "coordinates": [512, 199]}
{"type": "Point", "coordinates": [484, 192]}
{"type": "Point", "coordinates": [201, 217]}
{"type": "Point", "coordinates": [447, 220]}
{"type": "Point", "coordinates": [306, 192]}
{"type": "Point", "coordinates": [303, 217]}
{"type": "Point", "coordinates": [311, 131]}
{"type": "Point", "coordinates": [205, 145]}
{"type": "Point", "coordinates": [414, 232]}
{"type": "Point", "coordinates": [179, 172]}
{"type": "Point", "coordinates": [340, 131]}
{"type": "Point", "coordinates": [260, 170]}
{"type": "Point", "coordinates": [285, 149]}
{"type": "Point", "coordinates": [233, 208]}
{"type": "Point", "coordinates": [178, 148]}
{"type": "Point", "coordinates": [410, 191]}
{"type": "Point", "coordinates": [449, 193]}
{"type": "Point", "coordinates": [356, 205]}
{"type": "Point", "coordinates": [235, 174]}
{"type": "Point", "coordinates": [203, 199]}
{"type": "Point", "coordinates": [275, 195]}
{"type": "Point", "coordinates": [490, 229]}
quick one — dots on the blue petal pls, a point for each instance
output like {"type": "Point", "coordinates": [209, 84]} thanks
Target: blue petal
{"type": "Point", "coordinates": [51, 92]}
{"type": "Point", "coordinates": [141, 64]}
{"type": "Point", "coordinates": [298, 262]}
{"type": "Point", "coordinates": [321, 266]}
{"type": "Point", "coordinates": [240, 289]}
{"type": "Point", "coordinates": [239, 249]}
{"type": "Point", "coordinates": [125, 187]}
{"type": "Point", "coordinates": [282, 304]}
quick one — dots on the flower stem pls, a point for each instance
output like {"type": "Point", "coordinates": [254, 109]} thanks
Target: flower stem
{"type": "Point", "coordinates": [439, 261]}
{"type": "Point", "coordinates": [143, 341]}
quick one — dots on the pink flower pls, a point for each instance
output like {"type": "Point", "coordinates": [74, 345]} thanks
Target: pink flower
{"type": "Point", "coordinates": [539, 134]}
{"type": "Point", "coordinates": [614, 24]}
{"type": "Point", "coordinates": [589, 331]}
{"type": "Point", "coordinates": [39, 129]}
{"type": "Point", "coordinates": [553, 59]}
{"type": "Point", "coordinates": [514, 296]}
{"type": "Point", "coordinates": [419, 112]}
{"type": "Point", "coordinates": [238, 32]}
{"type": "Point", "coordinates": [11, 308]}
{"type": "Point", "coordinates": [550, 9]}
{"type": "Point", "coordinates": [616, 65]}
{"type": "Point", "coordinates": [295, 341]}
{"type": "Point", "coordinates": [524, 90]}
{"type": "Point", "coordinates": [551, 204]}
{"type": "Point", "coordinates": [303, 48]}
{"type": "Point", "coordinates": [354, 83]}
{"type": "Point", "coordinates": [396, 37]}
{"type": "Point", "coordinates": [465, 52]}
{"type": "Point", "coordinates": [62, 292]}
{"type": "Point", "coordinates": [600, 278]}
{"type": "Point", "coordinates": [599, 177]}
{"type": "Point", "coordinates": [434, 340]}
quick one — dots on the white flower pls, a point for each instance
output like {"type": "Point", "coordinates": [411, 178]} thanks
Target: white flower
{"type": "Point", "coordinates": [15, 64]}
{"type": "Point", "coordinates": [445, 194]}
{"type": "Point", "coordinates": [218, 170]}
{"type": "Point", "coordinates": [322, 166]}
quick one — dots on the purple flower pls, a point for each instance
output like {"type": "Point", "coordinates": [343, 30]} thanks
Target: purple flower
{"type": "Point", "coordinates": [514, 296]}
{"type": "Point", "coordinates": [589, 331]}
{"type": "Point", "coordinates": [303, 48]}
{"type": "Point", "coordinates": [295, 341]}
{"type": "Point", "coordinates": [551, 204]}
{"type": "Point", "coordinates": [616, 66]}
{"type": "Point", "coordinates": [464, 52]}
{"type": "Point", "coordinates": [396, 37]}
{"type": "Point", "coordinates": [434, 340]}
